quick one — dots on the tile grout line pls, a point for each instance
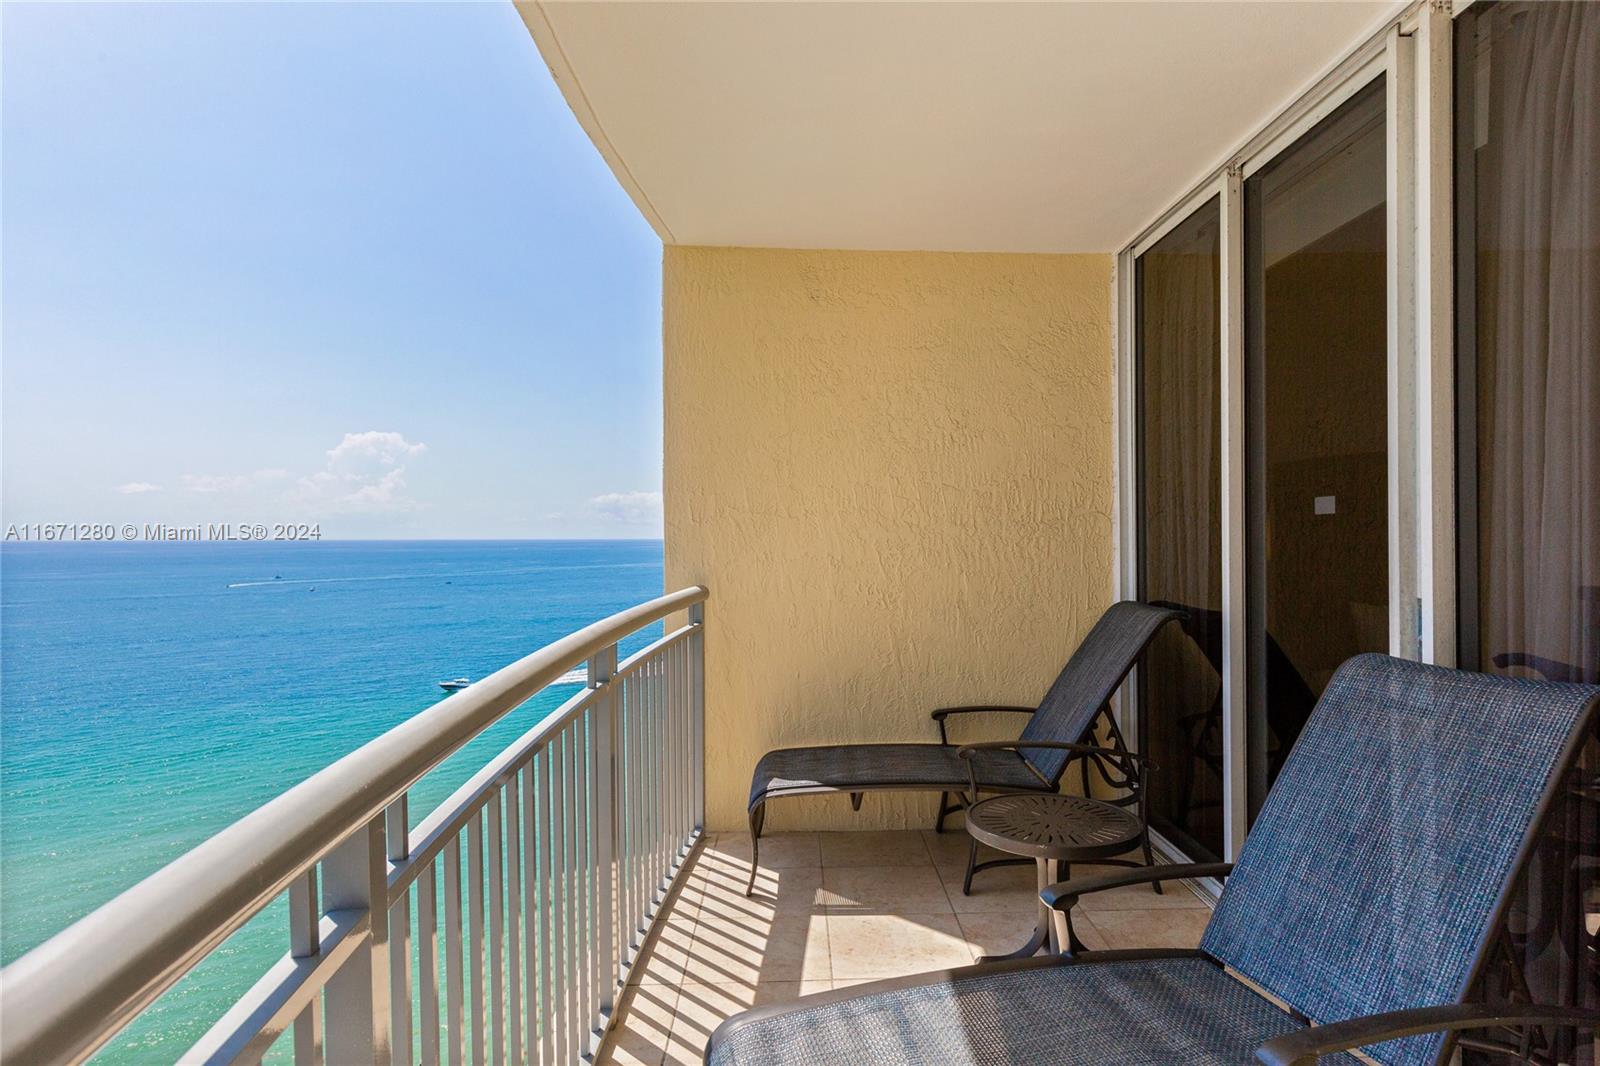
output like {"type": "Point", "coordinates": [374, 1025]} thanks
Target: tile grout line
{"type": "Point", "coordinates": [948, 898]}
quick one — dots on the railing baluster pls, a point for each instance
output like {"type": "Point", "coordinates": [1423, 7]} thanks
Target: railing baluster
{"type": "Point", "coordinates": [599, 1005]}
{"type": "Point", "coordinates": [305, 913]}
{"type": "Point", "coordinates": [690, 774]}
{"type": "Point", "coordinates": [686, 734]}
{"type": "Point", "coordinates": [697, 683]}
{"type": "Point", "coordinates": [669, 772]}
{"type": "Point", "coordinates": [663, 779]}
{"type": "Point", "coordinates": [685, 809]}
{"type": "Point", "coordinates": [497, 989]}
{"type": "Point", "coordinates": [514, 914]}
{"type": "Point", "coordinates": [640, 809]}
{"type": "Point", "coordinates": [570, 913]}
{"type": "Point", "coordinates": [548, 922]}
{"type": "Point", "coordinates": [635, 778]}
{"type": "Point", "coordinates": [355, 877]}
{"type": "Point", "coordinates": [622, 769]}
{"type": "Point", "coordinates": [428, 963]}
{"type": "Point", "coordinates": [532, 943]}
{"type": "Point", "coordinates": [680, 745]}
{"type": "Point", "coordinates": [602, 672]}
{"type": "Point", "coordinates": [663, 765]}
{"type": "Point", "coordinates": [452, 952]}
{"type": "Point", "coordinates": [557, 900]}
{"type": "Point", "coordinates": [658, 782]}
{"type": "Point", "coordinates": [680, 748]}
{"type": "Point", "coordinates": [646, 790]}
{"type": "Point", "coordinates": [397, 835]}
{"type": "Point", "coordinates": [585, 881]}
{"type": "Point", "coordinates": [669, 786]}
{"type": "Point", "coordinates": [669, 764]}
{"type": "Point", "coordinates": [475, 927]}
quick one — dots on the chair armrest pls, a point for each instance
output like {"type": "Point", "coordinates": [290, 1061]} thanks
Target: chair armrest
{"type": "Point", "coordinates": [1304, 1047]}
{"type": "Point", "coordinates": [1064, 895]}
{"type": "Point", "coordinates": [1083, 749]}
{"type": "Point", "coordinates": [945, 712]}
{"type": "Point", "coordinates": [1131, 759]}
{"type": "Point", "coordinates": [980, 708]}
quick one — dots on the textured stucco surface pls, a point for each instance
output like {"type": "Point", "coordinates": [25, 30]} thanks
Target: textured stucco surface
{"type": "Point", "coordinates": [894, 472]}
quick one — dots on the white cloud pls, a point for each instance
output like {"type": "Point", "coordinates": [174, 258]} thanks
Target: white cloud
{"type": "Point", "coordinates": [359, 450]}
{"type": "Point", "coordinates": [629, 508]}
{"type": "Point", "coordinates": [365, 472]}
{"type": "Point", "coordinates": [136, 488]}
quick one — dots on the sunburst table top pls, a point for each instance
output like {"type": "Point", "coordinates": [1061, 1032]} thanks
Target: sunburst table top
{"type": "Point", "coordinates": [1064, 828]}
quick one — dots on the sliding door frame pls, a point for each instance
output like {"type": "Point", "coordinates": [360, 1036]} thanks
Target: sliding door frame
{"type": "Point", "coordinates": [1412, 51]}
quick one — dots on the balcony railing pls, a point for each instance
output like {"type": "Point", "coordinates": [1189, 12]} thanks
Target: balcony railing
{"type": "Point", "coordinates": [571, 837]}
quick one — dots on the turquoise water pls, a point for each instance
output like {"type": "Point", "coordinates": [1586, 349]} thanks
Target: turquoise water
{"type": "Point", "coordinates": [151, 694]}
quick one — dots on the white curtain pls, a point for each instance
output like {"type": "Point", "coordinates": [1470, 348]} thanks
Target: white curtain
{"type": "Point", "coordinates": [1539, 329]}
{"type": "Point", "coordinates": [1537, 170]}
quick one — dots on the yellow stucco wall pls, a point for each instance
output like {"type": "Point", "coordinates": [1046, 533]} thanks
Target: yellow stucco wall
{"type": "Point", "coordinates": [894, 473]}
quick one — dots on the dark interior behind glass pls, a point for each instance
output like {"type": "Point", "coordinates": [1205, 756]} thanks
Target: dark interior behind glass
{"type": "Point", "coordinates": [1179, 356]}
{"type": "Point", "coordinates": [1316, 421]}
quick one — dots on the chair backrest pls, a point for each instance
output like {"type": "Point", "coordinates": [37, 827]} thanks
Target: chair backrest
{"type": "Point", "coordinates": [1089, 678]}
{"type": "Point", "coordinates": [1374, 876]}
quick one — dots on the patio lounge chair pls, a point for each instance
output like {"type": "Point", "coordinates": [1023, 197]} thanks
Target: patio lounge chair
{"type": "Point", "coordinates": [1366, 898]}
{"type": "Point", "coordinates": [1064, 720]}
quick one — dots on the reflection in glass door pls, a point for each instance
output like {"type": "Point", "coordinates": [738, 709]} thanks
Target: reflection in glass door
{"type": "Point", "coordinates": [1316, 421]}
{"type": "Point", "coordinates": [1178, 363]}
{"type": "Point", "coordinates": [1528, 372]}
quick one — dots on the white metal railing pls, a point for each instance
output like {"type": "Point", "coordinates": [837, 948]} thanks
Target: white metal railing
{"type": "Point", "coordinates": [571, 836]}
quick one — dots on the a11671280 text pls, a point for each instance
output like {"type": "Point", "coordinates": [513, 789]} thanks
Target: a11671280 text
{"type": "Point", "coordinates": [159, 531]}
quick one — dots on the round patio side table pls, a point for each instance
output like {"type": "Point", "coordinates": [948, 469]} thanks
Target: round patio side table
{"type": "Point", "coordinates": [1056, 831]}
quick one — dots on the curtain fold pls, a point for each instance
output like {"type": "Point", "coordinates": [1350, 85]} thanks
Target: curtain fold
{"type": "Point", "coordinates": [1539, 255]}
{"type": "Point", "coordinates": [1534, 78]}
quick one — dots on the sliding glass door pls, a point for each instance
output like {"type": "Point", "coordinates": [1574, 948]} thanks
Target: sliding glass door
{"type": "Point", "coordinates": [1178, 354]}
{"type": "Point", "coordinates": [1290, 440]}
{"type": "Point", "coordinates": [1527, 110]}
{"type": "Point", "coordinates": [1316, 421]}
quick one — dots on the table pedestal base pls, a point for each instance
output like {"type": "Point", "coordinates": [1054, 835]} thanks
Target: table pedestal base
{"type": "Point", "coordinates": [1052, 928]}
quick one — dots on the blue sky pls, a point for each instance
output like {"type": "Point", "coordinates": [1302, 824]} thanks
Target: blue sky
{"type": "Point", "coordinates": [347, 263]}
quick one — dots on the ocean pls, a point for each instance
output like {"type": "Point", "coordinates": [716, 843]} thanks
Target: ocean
{"type": "Point", "coordinates": [151, 694]}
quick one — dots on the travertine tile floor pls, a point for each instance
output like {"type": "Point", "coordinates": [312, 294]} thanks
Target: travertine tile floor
{"type": "Point", "coordinates": [836, 909]}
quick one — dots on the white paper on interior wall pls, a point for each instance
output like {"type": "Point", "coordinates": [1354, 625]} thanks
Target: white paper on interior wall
{"type": "Point", "coordinates": [1325, 504]}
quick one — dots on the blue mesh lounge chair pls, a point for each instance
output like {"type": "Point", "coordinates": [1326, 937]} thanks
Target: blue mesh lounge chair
{"type": "Point", "coordinates": [1366, 898]}
{"type": "Point", "coordinates": [1065, 719]}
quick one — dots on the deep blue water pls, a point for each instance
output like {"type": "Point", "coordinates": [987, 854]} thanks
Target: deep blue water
{"type": "Point", "coordinates": [151, 694]}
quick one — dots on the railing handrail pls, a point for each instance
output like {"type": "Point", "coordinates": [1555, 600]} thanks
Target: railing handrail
{"type": "Point", "coordinates": [68, 995]}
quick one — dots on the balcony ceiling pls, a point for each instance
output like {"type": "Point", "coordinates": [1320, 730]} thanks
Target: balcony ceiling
{"type": "Point", "coordinates": [1049, 127]}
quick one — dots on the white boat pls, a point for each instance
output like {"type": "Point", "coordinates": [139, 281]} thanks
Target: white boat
{"type": "Point", "coordinates": [455, 685]}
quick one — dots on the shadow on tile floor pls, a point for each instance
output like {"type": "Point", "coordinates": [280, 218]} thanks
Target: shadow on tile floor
{"type": "Point", "coordinates": [833, 910]}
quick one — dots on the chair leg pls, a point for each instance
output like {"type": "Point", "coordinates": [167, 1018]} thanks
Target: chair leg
{"type": "Point", "coordinates": [944, 808]}
{"type": "Point", "coordinates": [972, 863]}
{"type": "Point", "coordinates": [1150, 860]}
{"type": "Point", "coordinates": [758, 817]}
{"type": "Point", "coordinates": [855, 801]}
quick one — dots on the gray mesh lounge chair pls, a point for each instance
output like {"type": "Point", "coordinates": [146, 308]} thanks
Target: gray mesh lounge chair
{"type": "Point", "coordinates": [1065, 718]}
{"type": "Point", "coordinates": [1366, 898]}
